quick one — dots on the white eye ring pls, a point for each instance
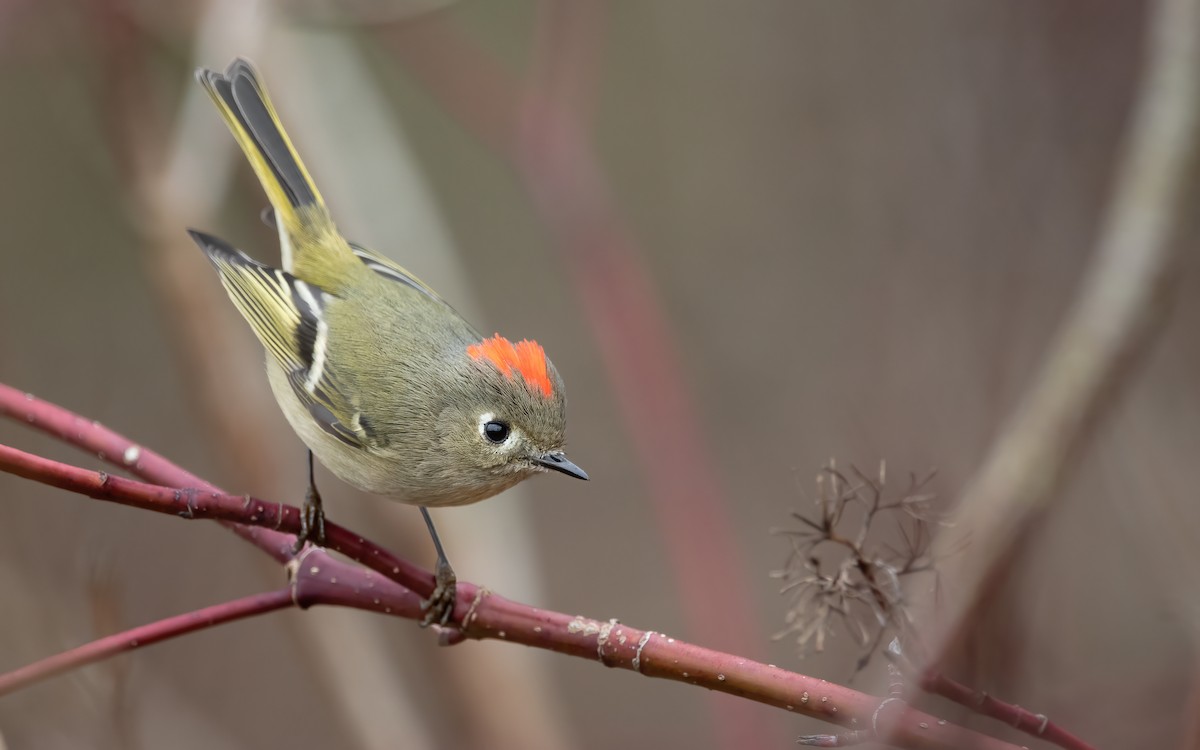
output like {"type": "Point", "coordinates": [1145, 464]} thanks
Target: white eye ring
{"type": "Point", "coordinates": [495, 431]}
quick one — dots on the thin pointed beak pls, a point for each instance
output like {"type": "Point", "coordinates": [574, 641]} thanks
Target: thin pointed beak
{"type": "Point", "coordinates": [559, 462]}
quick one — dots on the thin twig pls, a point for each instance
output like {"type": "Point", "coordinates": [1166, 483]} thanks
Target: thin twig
{"type": "Point", "coordinates": [193, 504]}
{"type": "Point", "coordinates": [145, 635]}
{"type": "Point", "coordinates": [1036, 725]}
{"type": "Point", "coordinates": [120, 451]}
{"type": "Point", "coordinates": [936, 683]}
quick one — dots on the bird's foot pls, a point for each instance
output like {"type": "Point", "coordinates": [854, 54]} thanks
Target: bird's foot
{"type": "Point", "coordinates": [440, 605]}
{"type": "Point", "coordinates": [312, 521]}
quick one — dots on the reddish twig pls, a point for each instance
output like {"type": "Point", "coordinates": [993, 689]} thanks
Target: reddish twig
{"type": "Point", "coordinates": [309, 587]}
{"type": "Point", "coordinates": [936, 683]}
{"type": "Point", "coordinates": [1037, 725]}
{"type": "Point", "coordinates": [145, 635]}
{"type": "Point", "coordinates": [271, 538]}
{"type": "Point", "coordinates": [208, 504]}
{"type": "Point", "coordinates": [320, 579]}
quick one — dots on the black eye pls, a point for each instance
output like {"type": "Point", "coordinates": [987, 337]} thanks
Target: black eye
{"type": "Point", "coordinates": [497, 432]}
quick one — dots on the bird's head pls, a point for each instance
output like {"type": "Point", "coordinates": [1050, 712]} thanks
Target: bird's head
{"type": "Point", "coordinates": [509, 416]}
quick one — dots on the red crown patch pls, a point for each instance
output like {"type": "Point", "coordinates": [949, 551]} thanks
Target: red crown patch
{"type": "Point", "coordinates": [525, 357]}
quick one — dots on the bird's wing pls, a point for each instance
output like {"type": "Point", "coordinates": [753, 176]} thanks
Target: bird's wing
{"type": "Point", "coordinates": [288, 317]}
{"type": "Point", "coordinates": [380, 264]}
{"type": "Point", "coordinates": [389, 269]}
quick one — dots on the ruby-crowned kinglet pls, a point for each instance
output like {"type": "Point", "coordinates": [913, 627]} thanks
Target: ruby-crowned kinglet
{"type": "Point", "coordinates": [383, 381]}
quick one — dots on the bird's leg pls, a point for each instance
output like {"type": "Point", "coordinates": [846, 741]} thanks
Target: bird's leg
{"type": "Point", "coordinates": [440, 604]}
{"type": "Point", "coordinates": [312, 514]}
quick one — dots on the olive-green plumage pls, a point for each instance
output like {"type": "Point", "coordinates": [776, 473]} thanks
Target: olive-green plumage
{"type": "Point", "coordinates": [387, 385]}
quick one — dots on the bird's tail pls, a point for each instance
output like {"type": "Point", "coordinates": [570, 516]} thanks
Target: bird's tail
{"type": "Point", "coordinates": [246, 108]}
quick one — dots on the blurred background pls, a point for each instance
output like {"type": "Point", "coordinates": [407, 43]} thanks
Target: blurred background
{"type": "Point", "coordinates": [752, 236]}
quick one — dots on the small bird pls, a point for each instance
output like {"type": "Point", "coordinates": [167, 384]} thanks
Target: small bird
{"type": "Point", "coordinates": [384, 382]}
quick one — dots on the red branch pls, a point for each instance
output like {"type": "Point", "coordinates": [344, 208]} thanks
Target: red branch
{"type": "Point", "coordinates": [171, 627]}
{"type": "Point", "coordinates": [320, 579]}
{"type": "Point", "coordinates": [268, 537]}
{"type": "Point", "coordinates": [1037, 725]}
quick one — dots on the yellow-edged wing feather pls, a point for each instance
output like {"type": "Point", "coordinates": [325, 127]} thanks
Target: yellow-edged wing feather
{"type": "Point", "coordinates": [287, 316]}
{"type": "Point", "coordinates": [389, 269]}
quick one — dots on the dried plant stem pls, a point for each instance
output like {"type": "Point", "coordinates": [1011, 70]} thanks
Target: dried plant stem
{"type": "Point", "coordinates": [862, 587]}
{"type": "Point", "coordinates": [321, 579]}
{"type": "Point", "coordinates": [1117, 315]}
{"type": "Point", "coordinates": [819, 595]}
